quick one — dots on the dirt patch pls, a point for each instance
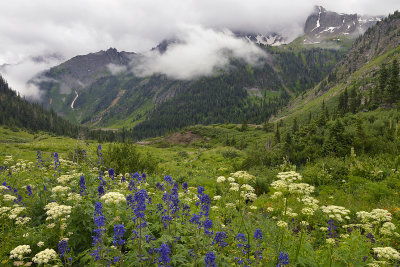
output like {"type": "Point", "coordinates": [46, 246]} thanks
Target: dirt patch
{"type": "Point", "coordinates": [183, 138]}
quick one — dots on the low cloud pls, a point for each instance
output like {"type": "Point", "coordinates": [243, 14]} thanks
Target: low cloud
{"type": "Point", "coordinates": [199, 52]}
{"type": "Point", "coordinates": [18, 75]}
{"type": "Point", "coordinates": [116, 69]}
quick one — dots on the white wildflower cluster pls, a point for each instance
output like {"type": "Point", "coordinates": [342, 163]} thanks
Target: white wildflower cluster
{"type": "Point", "coordinates": [22, 220]}
{"type": "Point", "coordinates": [234, 187]}
{"type": "Point", "coordinates": [18, 252]}
{"type": "Point", "coordinates": [248, 192]}
{"type": "Point", "coordinates": [45, 256]}
{"type": "Point", "coordinates": [9, 198]}
{"type": "Point", "coordinates": [301, 188]}
{"type": "Point", "coordinates": [217, 197]}
{"type": "Point", "coordinates": [40, 244]}
{"type": "Point", "coordinates": [15, 212]}
{"type": "Point", "coordinates": [388, 229]}
{"type": "Point", "coordinates": [282, 224]}
{"type": "Point", "coordinates": [60, 189]}
{"type": "Point", "coordinates": [3, 211]}
{"type": "Point", "coordinates": [74, 197]}
{"type": "Point", "coordinates": [113, 198]}
{"type": "Point", "coordinates": [289, 177]}
{"type": "Point", "coordinates": [388, 253]}
{"type": "Point", "coordinates": [330, 241]}
{"type": "Point", "coordinates": [8, 160]}
{"type": "Point", "coordinates": [307, 211]}
{"type": "Point", "coordinates": [276, 195]}
{"type": "Point", "coordinates": [56, 211]}
{"type": "Point", "coordinates": [231, 179]}
{"type": "Point", "coordinates": [243, 177]}
{"type": "Point", "coordinates": [309, 202]}
{"type": "Point", "coordinates": [221, 179]}
{"type": "Point", "coordinates": [287, 182]}
{"type": "Point", "coordinates": [336, 212]}
{"type": "Point", "coordinates": [64, 179]}
{"type": "Point", "coordinates": [376, 216]}
{"type": "Point", "coordinates": [230, 205]}
{"type": "Point", "coordinates": [290, 213]}
{"type": "Point", "coordinates": [2, 187]}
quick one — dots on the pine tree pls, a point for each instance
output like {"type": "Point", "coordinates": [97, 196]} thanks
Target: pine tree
{"type": "Point", "coordinates": [277, 133]}
{"type": "Point", "coordinates": [295, 126]}
{"type": "Point", "coordinates": [393, 84]}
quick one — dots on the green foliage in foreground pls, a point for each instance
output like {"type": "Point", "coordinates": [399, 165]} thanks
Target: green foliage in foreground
{"type": "Point", "coordinates": [294, 218]}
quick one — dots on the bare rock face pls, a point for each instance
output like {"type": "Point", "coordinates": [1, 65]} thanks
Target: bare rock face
{"type": "Point", "coordinates": [323, 24]}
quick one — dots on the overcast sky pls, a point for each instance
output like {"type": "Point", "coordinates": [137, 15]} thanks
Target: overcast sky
{"type": "Point", "coordinates": [71, 27]}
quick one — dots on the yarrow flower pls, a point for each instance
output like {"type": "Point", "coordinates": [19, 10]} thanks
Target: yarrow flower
{"type": "Point", "coordinates": [18, 252]}
{"type": "Point", "coordinates": [45, 256]}
{"type": "Point", "coordinates": [113, 198]}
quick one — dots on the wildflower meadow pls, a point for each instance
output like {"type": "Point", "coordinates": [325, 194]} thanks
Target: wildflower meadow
{"type": "Point", "coordinates": [58, 212]}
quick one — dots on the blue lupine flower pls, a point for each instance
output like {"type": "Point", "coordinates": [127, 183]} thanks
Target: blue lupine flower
{"type": "Point", "coordinates": [63, 248]}
{"type": "Point", "coordinates": [116, 259]}
{"type": "Point", "coordinates": [131, 185]}
{"type": "Point", "coordinates": [100, 190]}
{"type": "Point", "coordinates": [185, 210]}
{"type": "Point", "coordinates": [39, 159]}
{"type": "Point", "coordinates": [119, 231]}
{"type": "Point", "coordinates": [200, 190]}
{"type": "Point", "coordinates": [185, 187]}
{"type": "Point", "coordinates": [258, 234]}
{"type": "Point", "coordinates": [82, 184]}
{"type": "Point", "coordinates": [220, 239]}
{"type": "Point", "coordinates": [164, 251]}
{"type": "Point", "coordinates": [210, 259]}
{"type": "Point", "coordinates": [111, 173]}
{"type": "Point", "coordinates": [241, 237]}
{"type": "Point", "coordinates": [283, 259]}
{"type": "Point", "coordinates": [331, 228]}
{"type": "Point", "coordinates": [143, 177]}
{"type": "Point", "coordinates": [371, 237]}
{"type": "Point", "coordinates": [208, 224]}
{"type": "Point", "coordinates": [140, 200]}
{"type": "Point", "coordinates": [99, 221]}
{"type": "Point", "coordinates": [168, 179]}
{"type": "Point", "coordinates": [29, 190]}
{"type": "Point", "coordinates": [195, 219]}
{"type": "Point", "coordinates": [99, 155]}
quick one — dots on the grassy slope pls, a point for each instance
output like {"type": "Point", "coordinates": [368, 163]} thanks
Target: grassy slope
{"type": "Point", "coordinates": [301, 106]}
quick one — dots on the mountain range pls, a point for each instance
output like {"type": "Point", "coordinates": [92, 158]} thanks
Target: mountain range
{"type": "Point", "coordinates": [101, 90]}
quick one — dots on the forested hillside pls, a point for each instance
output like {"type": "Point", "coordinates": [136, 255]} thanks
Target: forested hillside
{"type": "Point", "coordinates": [15, 111]}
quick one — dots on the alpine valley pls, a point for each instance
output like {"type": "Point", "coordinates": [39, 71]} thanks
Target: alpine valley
{"type": "Point", "coordinates": [101, 89]}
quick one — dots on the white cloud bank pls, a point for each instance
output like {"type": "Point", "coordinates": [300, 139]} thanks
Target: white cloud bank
{"type": "Point", "coordinates": [199, 52]}
{"type": "Point", "coordinates": [72, 27]}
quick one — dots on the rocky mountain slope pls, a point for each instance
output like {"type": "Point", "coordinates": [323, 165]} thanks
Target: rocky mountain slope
{"type": "Point", "coordinates": [359, 71]}
{"type": "Point", "coordinates": [324, 24]}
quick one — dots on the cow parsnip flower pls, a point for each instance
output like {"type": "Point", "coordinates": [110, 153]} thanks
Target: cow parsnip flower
{"type": "Point", "coordinates": [20, 251]}
{"type": "Point", "coordinates": [113, 198]}
{"type": "Point", "coordinates": [388, 253]}
{"type": "Point", "coordinates": [45, 256]}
